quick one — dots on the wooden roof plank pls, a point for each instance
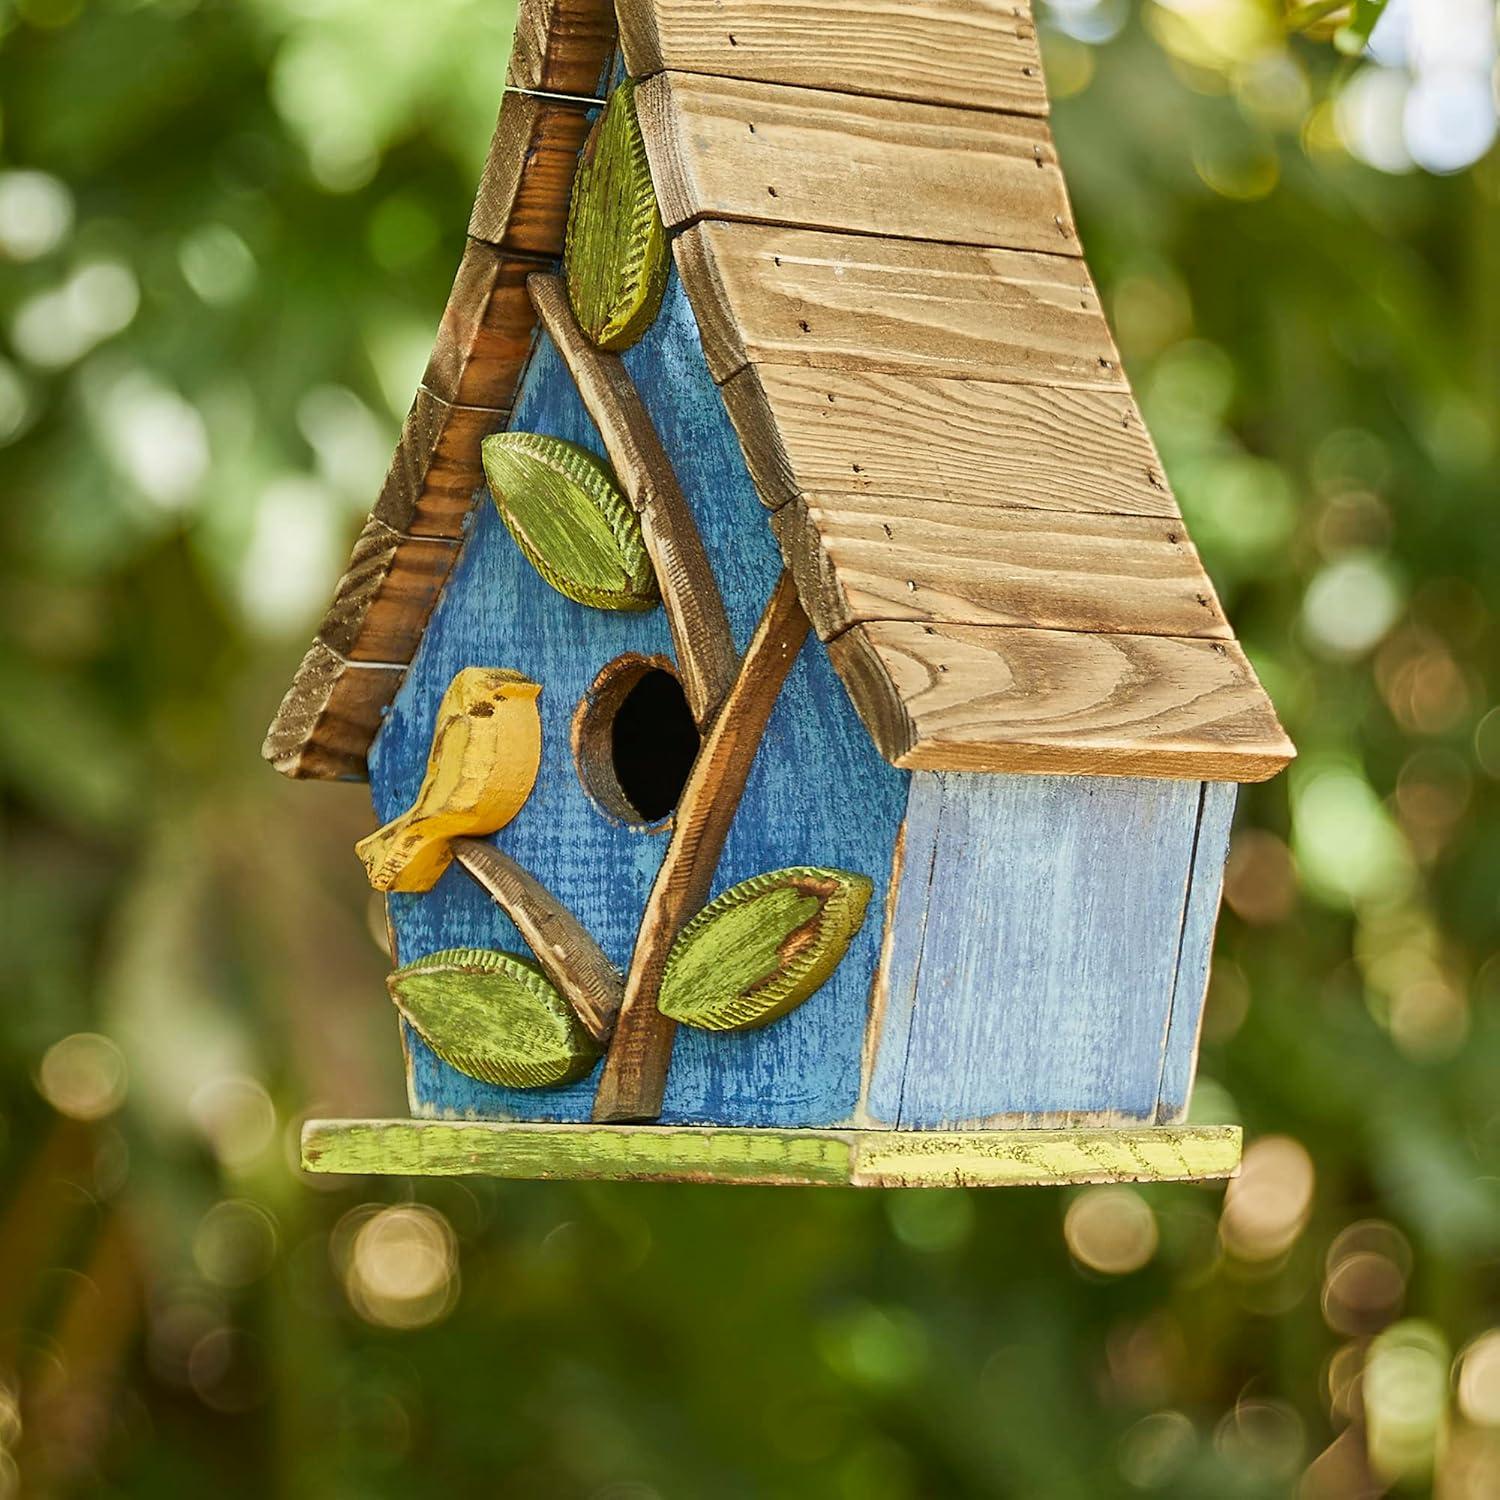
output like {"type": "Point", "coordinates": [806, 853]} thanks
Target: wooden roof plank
{"type": "Point", "coordinates": [968, 441]}
{"type": "Point", "coordinates": [563, 46]}
{"type": "Point", "coordinates": [522, 204]}
{"type": "Point", "coordinates": [329, 716]}
{"type": "Point", "coordinates": [864, 557]}
{"type": "Point", "coordinates": [769, 294]}
{"type": "Point", "coordinates": [486, 333]}
{"type": "Point", "coordinates": [380, 607]}
{"type": "Point", "coordinates": [990, 698]}
{"type": "Point", "coordinates": [725, 149]}
{"type": "Point", "coordinates": [430, 486]}
{"type": "Point", "coordinates": [978, 53]}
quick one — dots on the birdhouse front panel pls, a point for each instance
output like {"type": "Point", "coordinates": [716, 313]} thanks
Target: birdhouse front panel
{"type": "Point", "coordinates": [803, 736]}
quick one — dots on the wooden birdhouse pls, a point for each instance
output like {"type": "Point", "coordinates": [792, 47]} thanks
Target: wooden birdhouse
{"type": "Point", "coordinates": [803, 735]}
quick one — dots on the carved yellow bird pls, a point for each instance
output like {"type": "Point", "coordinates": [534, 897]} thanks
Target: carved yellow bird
{"type": "Point", "coordinates": [486, 749]}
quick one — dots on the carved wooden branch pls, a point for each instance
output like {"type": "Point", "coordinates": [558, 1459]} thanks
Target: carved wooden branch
{"type": "Point", "coordinates": [635, 1072]}
{"type": "Point", "coordinates": [564, 948]}
{"type": "Point", "coordinates": [701, 637]}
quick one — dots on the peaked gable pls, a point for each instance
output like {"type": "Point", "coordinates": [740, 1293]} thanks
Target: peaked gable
{"type": "Point", "coordinates": [874, 234]}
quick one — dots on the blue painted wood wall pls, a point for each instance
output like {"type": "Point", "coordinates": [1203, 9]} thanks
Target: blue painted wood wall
{"type": "Point", "coordinates": [1051, 935]}
{"type": "Point", "coordinates": [818, 793]}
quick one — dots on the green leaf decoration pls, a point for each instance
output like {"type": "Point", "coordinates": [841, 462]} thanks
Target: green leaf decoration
{"type": "Point", "coordinates": [616, 252]}
{"type": "Point", "coordinates": [494, 1017]}
{"type": "Point", "coordinates": [762, 948]}
{"type": "Point", "coordinates": [567, 514]}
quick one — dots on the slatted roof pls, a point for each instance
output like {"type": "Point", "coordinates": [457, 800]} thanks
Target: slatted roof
{"type": "Point", "coordinates": [874, 232]}
{"type": "Point", "coordinates": [872, 226]}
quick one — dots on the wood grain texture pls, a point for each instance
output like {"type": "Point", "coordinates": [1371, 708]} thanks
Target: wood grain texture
{"type": "Point", "coordinates": [564, 508]}
{"type": "Point", "coordinates": [383, 599]}
{"type": "Point", "coordinates": [1033, 979]}
{"type": "Point", "coordinates": [779, 1158]}
{"type": "Point", "coordinates": [522, 203]}
{"type": "Point", "coordinates": [486, 332]}
{"type": "Point", "coordinates": [564, 948]}
{"type": "Point", "coordinates": [1180, 1046]}
{"type": "Point", "coordinates": [1043, 1158]}
{"type": "Point", "coordinates": [803, 1071]}
{"type": "Point", "coordinates": [481, 766]}
{"type": "Point", "coordinates": [762, 948]}
{"type": "Point", "coordinates": [324, 726]}
{"type": "Point", "coordinates": [980, 698]}
{"type": "Point", "coordinates": [493, 1017]}
{"type": "Point", "coordinates": [808, 431]}
{"type": "Point", "coordinates": [563, 46]}
{"type": "Point", "coordinates": [981, 53]}
{"type": "Point", "coordinates": [724, 149]}
{"type": "Point", "coordinates": [869, 557]}
{"type": "Point", "coordinates": [616, 254]}
{"type": "Point", "coordinates": [704, 648]}
{"type": "Point", "coordinates": [436, 472]}
{"type": "Point", "coordinates": [634, 1080]}
{"type": "Point", "coordinates": [771, 294]}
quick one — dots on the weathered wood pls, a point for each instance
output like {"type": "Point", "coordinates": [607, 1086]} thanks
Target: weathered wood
{"type": "Point", "coordinates": [564, 948]}
{"type": "Point", "coordinates": [522, 202]}
{"type": "Point", "coordinates": [616, 256]}
{"type": "Point", "coordinates": [706, 657]}
{"type": "Point", "coordinates": [981, 53]}
{"type": "Point", "coordinates": [978, 442]}
{"type": "Point", "coordinates": [566, 513]}
{"type": "Point", "coordinates": [870, 557]}
{"type": "Point", "coordinates": [803, 1071]}
{"type": "Point", "coordinates": [1180, 1047]}
{"type": "Point", "coordinates": [785, 1158]}
{"type": "Point", "coordinates": [430, 487]}
{"type": "Point", "coordinates": [324, 726]}
{"type": "Point", "coordinates": [562, 46]}
{"type": "Point", "coordinates": [1041, 1158]}
{"type": "Point", "coordinates": [482, 765]}
{"type": "Point", "coordinates": [724, 149]}
{"type": "Point", "coordinates": [635, 1070]}
{"type": "Point", "coordinates": [485, 335]}
{"type": "Point", "coordinates": [762, 948]}
{"type": "Point", "coordinates": [771, 294]}
{"type": "Point", "coordinates": [1032, 976]}
{"type": "Point", "coordinates": [988, 698]}
{"type": "Point", "coordinates": [494, 1017]}
{"type": "Point", "coordinates": [383, 599]}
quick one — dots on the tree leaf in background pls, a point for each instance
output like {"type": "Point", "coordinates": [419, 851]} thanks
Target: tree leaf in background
{"type": "Point", "coordinates": [762, 948]}
{"type": "Point", "coordinates": [494, 1017]}
{"type": "Point", "coordinates": [567, 514]}
{"type": "Point", "coordinates": [616, 258]}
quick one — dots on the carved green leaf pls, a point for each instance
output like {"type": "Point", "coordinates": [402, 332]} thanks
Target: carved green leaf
{"type": "Point", "coordinates": [616, 252]}
{"type": "Point", "coordinates": [567, 514]}
{"type": "Point", "coordinates": [494, 1017]}
{"type": "Point", "coordinates": [762, 948]}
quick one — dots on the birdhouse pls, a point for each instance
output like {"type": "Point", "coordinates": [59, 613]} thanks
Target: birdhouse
{"type": "Point", "coordinates": [802, 735]}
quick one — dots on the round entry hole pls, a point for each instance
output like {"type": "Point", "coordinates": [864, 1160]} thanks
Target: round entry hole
{"type": "Point", "coordinates": [635, 740]}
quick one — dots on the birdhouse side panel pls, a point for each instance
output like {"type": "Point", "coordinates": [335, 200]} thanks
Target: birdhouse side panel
{"type": "Point", "coordinates": [1050, 953]}
{"type": "Point", "coordinates": [818, 795]}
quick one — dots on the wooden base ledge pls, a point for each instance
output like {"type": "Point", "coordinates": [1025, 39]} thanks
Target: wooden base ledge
{"type": "Point", "coordinates": [782, 1158]}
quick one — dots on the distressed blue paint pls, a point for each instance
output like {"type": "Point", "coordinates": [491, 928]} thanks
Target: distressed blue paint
{"type": "Point", "coordinates": [1043, 980]}
{"type": "Point", "coordinates": [818, 793]}
{"type": "Point", "coordinates": [1180, 1054]}
{"type": "Point", "coordinates": [891, 1015]}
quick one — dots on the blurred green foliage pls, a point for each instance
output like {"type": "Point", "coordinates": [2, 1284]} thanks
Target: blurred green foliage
{"type": "Point", "coordinates": [226, 231]}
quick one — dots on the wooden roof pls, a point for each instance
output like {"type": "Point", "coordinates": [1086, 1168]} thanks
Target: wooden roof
{"type": "Point", "coordinates": [876, 239]}
{"type": "Point", "coordinates": [873, 230]}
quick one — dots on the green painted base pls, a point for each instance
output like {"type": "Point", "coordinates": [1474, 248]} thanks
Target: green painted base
{"type": "Point", "coordinates": [789, 1158]}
